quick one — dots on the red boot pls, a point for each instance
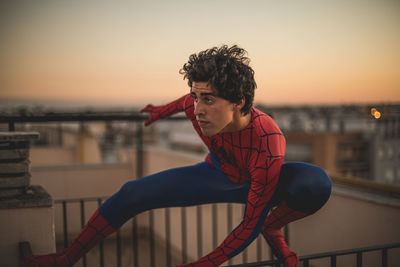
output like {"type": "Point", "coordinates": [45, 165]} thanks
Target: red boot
{"type": "Point", "coordinates": [94, 231]}
{"type": "Point", "coordinates": [279, 217]}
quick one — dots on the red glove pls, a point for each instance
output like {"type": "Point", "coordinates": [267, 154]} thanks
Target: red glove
{"type": "Point", "coordinates": [154, 113]}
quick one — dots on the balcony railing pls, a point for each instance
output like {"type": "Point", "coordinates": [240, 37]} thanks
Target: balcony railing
{"type": "Point", "coordinates": [135, 232]}
{"type": "Point", "coordinates": [140, 260]}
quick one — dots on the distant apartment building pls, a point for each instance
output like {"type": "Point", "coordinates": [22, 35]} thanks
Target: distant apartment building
{"type": "Point", "coordinates": [385, 151]}
{"type": "Point", "coordinates": [360, 140]}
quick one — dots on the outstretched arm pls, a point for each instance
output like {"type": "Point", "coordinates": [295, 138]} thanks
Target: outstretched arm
{"type": "Point", "coordinates": [160, 112]}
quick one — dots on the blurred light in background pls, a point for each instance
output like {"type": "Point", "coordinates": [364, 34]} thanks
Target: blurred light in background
{"type": "Point", "coordinates": [375, 113]}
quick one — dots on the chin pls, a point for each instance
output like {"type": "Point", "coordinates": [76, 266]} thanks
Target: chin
{"type": "Point", "coordinates": [208, 132]}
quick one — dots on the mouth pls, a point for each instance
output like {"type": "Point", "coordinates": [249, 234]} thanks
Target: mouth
{"type": "Point", "coordinates": [203, 123]}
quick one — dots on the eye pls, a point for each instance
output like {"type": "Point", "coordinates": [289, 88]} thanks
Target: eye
{"type": "Point", "coordinates": [208, 100]}
{"type": "Point", "coordinates": [194, 97]}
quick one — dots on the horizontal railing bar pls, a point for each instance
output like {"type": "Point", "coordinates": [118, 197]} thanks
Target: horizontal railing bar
{"type": "Point", "coordinates": [350, 251]}
{"type": "Point", "coordinates": [257, 264]}
{"type": "Point", "coordinates": [322, 255]}
{"type": "Point", "coordinates": [57, 201]}
{"type": "Point", "coordinates": [80, 117]}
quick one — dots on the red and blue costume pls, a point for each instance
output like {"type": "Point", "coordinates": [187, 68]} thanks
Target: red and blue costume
{"type": "Point", "coordinates": [242, 167]}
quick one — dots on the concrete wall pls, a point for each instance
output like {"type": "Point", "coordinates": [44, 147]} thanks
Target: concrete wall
{"type": "Point", "coordinates": [82, 180]}
{"type": "Point", "coordinates": [25, 224]}
{"type": "Point", "coordinates": [85, 150]}
{"type": "Point", "coordinates": [52, 155]}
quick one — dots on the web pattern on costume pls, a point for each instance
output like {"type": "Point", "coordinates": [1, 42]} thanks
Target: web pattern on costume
{"type": "Point", "coordinates": [255, 155]}
{"type": "Point", "coordinates": [95, 230]}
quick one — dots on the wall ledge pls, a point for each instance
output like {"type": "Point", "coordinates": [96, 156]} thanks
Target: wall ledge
{"type": "Point", "coordinates": [34, 197]}
{"type": "Point", "coordinates": [366, 195]}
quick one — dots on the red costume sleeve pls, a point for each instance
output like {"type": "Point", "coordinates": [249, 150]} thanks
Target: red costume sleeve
{"type": "Point", "coordinates": [160, 112]}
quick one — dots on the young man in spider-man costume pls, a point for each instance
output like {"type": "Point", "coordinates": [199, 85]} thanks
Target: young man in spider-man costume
{"type": "Point", "coordinates": [244, 165]}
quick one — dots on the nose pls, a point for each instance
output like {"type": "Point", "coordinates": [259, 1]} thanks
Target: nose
{"type": "Point", "coordinates": [198, 109]}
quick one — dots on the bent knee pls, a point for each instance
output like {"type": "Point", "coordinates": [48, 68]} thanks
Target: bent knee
{"type": "Point", "coordinates": [310, 189]}
{"type": "Point", "coordinates": [130, 193]}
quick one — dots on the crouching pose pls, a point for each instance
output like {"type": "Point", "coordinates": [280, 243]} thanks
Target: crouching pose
{"type": "Point", "coordinates": [244, 165]}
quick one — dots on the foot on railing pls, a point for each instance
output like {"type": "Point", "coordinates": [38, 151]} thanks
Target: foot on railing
{"type": "Point", "coordinates": [292, 260]}
{"type": "Point", "coordinates": [57, 259]}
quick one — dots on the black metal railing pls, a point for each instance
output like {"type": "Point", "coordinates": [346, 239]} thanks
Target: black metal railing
{"type": "Point", "coordinates": [85, 116]}
{"type": "Point", "coordinates": [149, 234]}
{"type": "Point", "coordinates": [153, 252]}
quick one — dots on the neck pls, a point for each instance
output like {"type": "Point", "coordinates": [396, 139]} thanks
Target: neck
{"type": "Point", "coordinates": [239, 122]}
{"type": "Point", "coordinates": [243, 121]}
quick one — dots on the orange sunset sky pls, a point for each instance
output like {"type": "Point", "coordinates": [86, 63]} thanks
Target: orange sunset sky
{"type": "Point", "coordinates": [130, 52]}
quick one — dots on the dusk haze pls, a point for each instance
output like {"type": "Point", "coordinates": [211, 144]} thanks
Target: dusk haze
{"type": "Point", "coordinates": [130, 52]}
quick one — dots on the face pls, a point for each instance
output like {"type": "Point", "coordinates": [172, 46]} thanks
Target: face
{"type": "Point", "coordinates": [214, 114]}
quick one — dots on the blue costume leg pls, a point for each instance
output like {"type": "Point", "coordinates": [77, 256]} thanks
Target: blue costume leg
{"type": "Point", "coordinates": [201, 184]}
{"type": "Point", "coordinates": [185, 186]}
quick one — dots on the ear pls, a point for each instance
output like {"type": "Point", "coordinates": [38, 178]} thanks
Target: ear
{"type": "Point", "coordinates": [240, 104]}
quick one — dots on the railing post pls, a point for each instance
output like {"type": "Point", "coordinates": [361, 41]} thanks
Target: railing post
{"type": "Point", "coordinates": [359, 259]}
{"type": "Point", "coordinates": [59, 134]}
{"type": "Point", "coordinates": [168, 236]}
{"type": "Point", "coordinates": [286, 233]}
{"type": "Point", "coordinates": [259, 249]}
{"type": "Point", "coordinates": [184, 233]}
{"type": "Point", "coordinates": [271, 253]}
{"type": "Point", "coordinates": [11, 126]}
{"type": "Point", "coordinates": [65, 227]}
{"type": "Point", "coordinates": [151, 237]}
{"type": "Point", "coordinates": [118, 240]}
{"type": "Point", "coordinates": [135, 243]}
{"type": "Point", "coordinates": [139, 150]}
{"type": "Point", "coordinates": [333, 261]}
{"type": "Point", "coordinates": [82, 208]}
{"type": "Point", "coordinates": [101, 245]}
{"type": "Point", "coordinates": [214, 225]}
{"type": "Point", "coordinates": [229, 219]}
{"type": "Point", "coordinates": [245, 257]}
{"type": "Point", "coordinates": [25, 250]}
{"type": "Point", "coordinates": [384, 257]}
{"type": "Point", "coordinates": [199, 233]}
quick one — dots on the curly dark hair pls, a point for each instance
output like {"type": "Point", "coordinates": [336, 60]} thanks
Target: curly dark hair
{"type": "Point", "coordinates": [226, 69]}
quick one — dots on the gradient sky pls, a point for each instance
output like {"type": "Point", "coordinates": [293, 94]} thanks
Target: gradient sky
{"type": "Point", "coordinates": [130, 52]}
